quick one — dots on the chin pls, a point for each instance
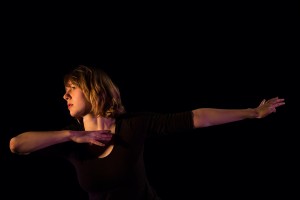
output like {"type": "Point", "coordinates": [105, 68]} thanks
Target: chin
{"type": "Point", "coordinates": [74, 115]}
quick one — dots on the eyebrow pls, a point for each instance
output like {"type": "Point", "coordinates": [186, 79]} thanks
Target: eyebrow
{"type": "Point", "coordinates": [69, 84]}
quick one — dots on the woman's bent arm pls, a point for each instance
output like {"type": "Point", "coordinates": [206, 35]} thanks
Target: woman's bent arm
{"type": "Point", "coordinates": [28, 142]}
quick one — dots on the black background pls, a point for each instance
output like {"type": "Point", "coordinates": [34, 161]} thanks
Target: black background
{"type": "Point", "coordinates": [165, 59]}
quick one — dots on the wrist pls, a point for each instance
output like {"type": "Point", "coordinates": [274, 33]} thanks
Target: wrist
{"type": "Point", "coordinates": [72, 135]}
{"type": "Point", "coordinates": [253, 113]}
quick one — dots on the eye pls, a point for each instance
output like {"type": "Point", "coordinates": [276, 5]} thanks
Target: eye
{"type": "Point", "coordinates": [69, 88]}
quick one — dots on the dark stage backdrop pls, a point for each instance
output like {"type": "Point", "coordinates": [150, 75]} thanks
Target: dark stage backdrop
{"type": "Point", "coordinates": [243, 158]}
{"type": "Point", "coordinates": [229, 61]}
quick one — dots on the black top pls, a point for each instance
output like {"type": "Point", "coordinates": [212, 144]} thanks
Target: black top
{"type": "Point", "coordinates": [121, 175]}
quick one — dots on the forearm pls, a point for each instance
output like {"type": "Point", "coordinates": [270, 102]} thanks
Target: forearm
{"type": "Point", "coordinates": [204, 117]}
{"type": "Point", "coordinates": [28, 142]}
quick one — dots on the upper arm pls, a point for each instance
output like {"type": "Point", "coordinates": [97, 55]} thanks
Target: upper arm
{"type": "Point", "coordinates": [162, 124]}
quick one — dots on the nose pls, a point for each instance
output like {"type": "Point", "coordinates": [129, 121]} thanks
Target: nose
{"type": "Point", "coordinates": [66, 96]}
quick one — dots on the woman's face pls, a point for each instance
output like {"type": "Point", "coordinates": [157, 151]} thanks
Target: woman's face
{"type": "Point", "coordinates": [76, 101]}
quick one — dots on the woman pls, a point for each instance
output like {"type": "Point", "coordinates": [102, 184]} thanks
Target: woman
{"type": "Point", "coordinates": [105, 143]}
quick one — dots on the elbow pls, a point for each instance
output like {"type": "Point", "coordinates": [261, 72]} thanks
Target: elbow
{"type": "Point", "coordinates": [14, 147]}
{"type": "Point", "coordinates": [199, 119]}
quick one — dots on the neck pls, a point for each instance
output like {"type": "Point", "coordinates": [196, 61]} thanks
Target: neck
{"type": "Point", "coordinates": [98, 123]}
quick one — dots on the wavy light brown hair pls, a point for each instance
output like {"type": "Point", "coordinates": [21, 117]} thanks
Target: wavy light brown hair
{"type": "Point", "coordinates": [98, 89]}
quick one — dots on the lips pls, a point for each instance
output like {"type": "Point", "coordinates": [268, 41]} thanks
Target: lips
{"type": "Point", "coordinates": [70, 105]}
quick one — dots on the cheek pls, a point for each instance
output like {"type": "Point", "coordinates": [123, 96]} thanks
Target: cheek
{"type": "Point", "coordinates": [82, 108]}
{"type": "Point", "coordinates": [84, 104]}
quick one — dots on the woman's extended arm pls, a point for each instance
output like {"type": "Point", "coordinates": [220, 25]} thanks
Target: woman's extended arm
{"type": "Point", "coordinates": [204, 117]}
{"type": "Point", "coordinates": [28, 142]}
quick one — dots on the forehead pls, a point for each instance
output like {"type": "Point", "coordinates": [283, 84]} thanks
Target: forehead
{"type": "Point", "coordinates": [69, 83]}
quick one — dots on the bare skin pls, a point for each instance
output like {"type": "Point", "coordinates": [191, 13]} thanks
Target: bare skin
{"type": "Point", "coordinates": [99, 130]}
{"type": "Point", "coordinates": [204, 117]}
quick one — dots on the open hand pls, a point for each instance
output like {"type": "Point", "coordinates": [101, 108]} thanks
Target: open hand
{"type": "Point", "coordinates": [98, 137]}
{"type": "Point", "coordinates": [267, 107]}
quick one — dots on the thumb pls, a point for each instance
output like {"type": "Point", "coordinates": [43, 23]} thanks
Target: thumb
{"type": "Point", "coordinates": [262, 102]}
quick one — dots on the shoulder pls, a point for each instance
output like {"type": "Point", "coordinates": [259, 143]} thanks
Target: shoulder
{"type": "Point", "coordinates": [136, 115]}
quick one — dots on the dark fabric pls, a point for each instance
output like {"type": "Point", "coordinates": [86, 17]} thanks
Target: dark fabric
{"type": "Point", "coordinates": [121, 175]}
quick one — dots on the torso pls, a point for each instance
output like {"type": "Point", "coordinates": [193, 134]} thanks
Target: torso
{"type": "Point", "coordinates": [107, 151]}
{"type": "Point", "coordinates": [117, 171]}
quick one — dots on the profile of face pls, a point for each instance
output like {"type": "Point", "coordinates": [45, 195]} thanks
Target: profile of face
{"type": "Point", "coordinates": [76, 101]}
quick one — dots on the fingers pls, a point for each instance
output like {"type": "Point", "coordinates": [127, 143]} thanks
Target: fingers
{"type": "Point", "coordinates": [97, 143]}
{"type": "Point", "coordinates": [278, 104]}
{"type": "Point", "coordinates": [262, 102]}
{"type": "Point", "coordinates": [274, 101]}
{"type": "Point", "coordinates": [99, 137]}
{"type": "Point", "coordinates": [102, 132]}
{"type": "Point", "coordinates": [104, 138]}
{"type": "Point", "coordinates": [271, 104]}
